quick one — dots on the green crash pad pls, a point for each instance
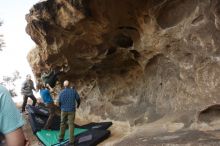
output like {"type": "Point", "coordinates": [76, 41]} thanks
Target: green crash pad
{"type": "Point", "coordinates": [50, 137]}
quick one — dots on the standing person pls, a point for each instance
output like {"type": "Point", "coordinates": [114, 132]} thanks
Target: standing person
{"type": "Point", "coordinates": [67, 99]}
{"type": "Point", "coordinates": [11, 121]}
{"type": "Point", "coordinates": [27, 91]}
{"type": "Point", "coordinates": [48, 101]}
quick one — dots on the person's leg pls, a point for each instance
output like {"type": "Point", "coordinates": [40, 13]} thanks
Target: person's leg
{"type": "Point", "coordinates": [51, 116]}
{"type": "Point", "coordinates": [46, 77]}
{"type": "Point", "coordinates": [24, 103]}
{"type": "Point", "coordinates": [63, 124]}
{"type": "Point", "coordinates": [33, 99]}
{"type": "Point", "coordinates": [52, 79]}
{"type": "Point", "coordinates": [71, 118]}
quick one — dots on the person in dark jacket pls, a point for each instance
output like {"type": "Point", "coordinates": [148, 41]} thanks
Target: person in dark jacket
{"type": "Point", "coordinates": [27, 91]}
{"type": "Point", "coordinates": [48, 101]}
{"type": "Point", "coordinates": [67, 100]}
{"type": "Point", "coordinates": [51, 77]}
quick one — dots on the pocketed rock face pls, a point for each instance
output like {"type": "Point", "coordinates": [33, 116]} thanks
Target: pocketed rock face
{"type": "Point", "coordinates": [133, 61]}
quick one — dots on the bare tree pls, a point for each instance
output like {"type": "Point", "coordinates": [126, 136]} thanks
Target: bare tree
{"type": "Point", "coordinates": [1, 40]}
{"type": "Point", "coordinates": [9, 82]}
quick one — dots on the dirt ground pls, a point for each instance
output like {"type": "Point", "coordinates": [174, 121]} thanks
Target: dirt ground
{"type": "Point", "coordinates": [116, 133]}
{"type": "Point", "coordinates": [118, 130]}
{"type": "Point", "coordinates": [29, 134]}
{"type": "Point", "coordinates": [163, 132]}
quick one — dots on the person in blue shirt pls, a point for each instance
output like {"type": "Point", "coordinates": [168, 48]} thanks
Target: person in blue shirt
{"type": "Point", "coordinates": [48, 101]}
{"type": "Point", "coordinates": [11, 121]}
{"type": "Point", "coordinates": [67, 101]}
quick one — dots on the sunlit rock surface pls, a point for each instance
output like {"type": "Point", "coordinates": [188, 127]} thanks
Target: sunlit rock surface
{"type": "Point", "coordinates": [132, 60]}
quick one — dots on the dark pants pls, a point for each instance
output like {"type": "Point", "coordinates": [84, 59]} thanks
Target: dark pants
{"type": "Point", "coordinates": [52, 78]}
{"type": "Point", "coordinates": [52, 109]}
{"type": "Point", "coordinates": [25, 101]}
{"type": "Point", "coordinates": [70, 117]}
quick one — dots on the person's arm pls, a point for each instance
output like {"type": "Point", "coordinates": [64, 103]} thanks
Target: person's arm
{"type": "Point", "coordinates": [32, 86]}
{"type": "Point", "coordinates": [16, 138]}
{"type": "Point", "coordinates": [50, 88]}
{"type": "Point", "coordinates": [11, 120]}
{"type": "Point", "coordinates": [77, 99]}
{"type": "Point", "coordinates": [44, 76]}
{"type": "Point", "coordinates": [59, 100]}
{"type": "Point", "coordinates": [23, 86]}
{"type": "Point", "coordinates": [78, 103]}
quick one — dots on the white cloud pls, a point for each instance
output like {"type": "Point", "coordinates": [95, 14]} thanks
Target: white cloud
{"type": "Point", "coordinates": [18, 43]}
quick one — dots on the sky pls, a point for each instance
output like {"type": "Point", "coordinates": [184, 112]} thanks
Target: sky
{"type": "Point", "coordinates": [18, 43]}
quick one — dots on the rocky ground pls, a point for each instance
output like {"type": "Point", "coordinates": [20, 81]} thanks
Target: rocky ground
{"type": "Point", "coordinates": [159, 135]}
{"type": "Point", "coordinates": [181, 138]}
{"type": "Point", "coordinates": [29, 134]}
{"type": "Point", "coordinates": [118, 130]}
{"type": "Point", "coordinates": [149, 135]}
{"type": "Point", "coordinates": [164, 132]}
